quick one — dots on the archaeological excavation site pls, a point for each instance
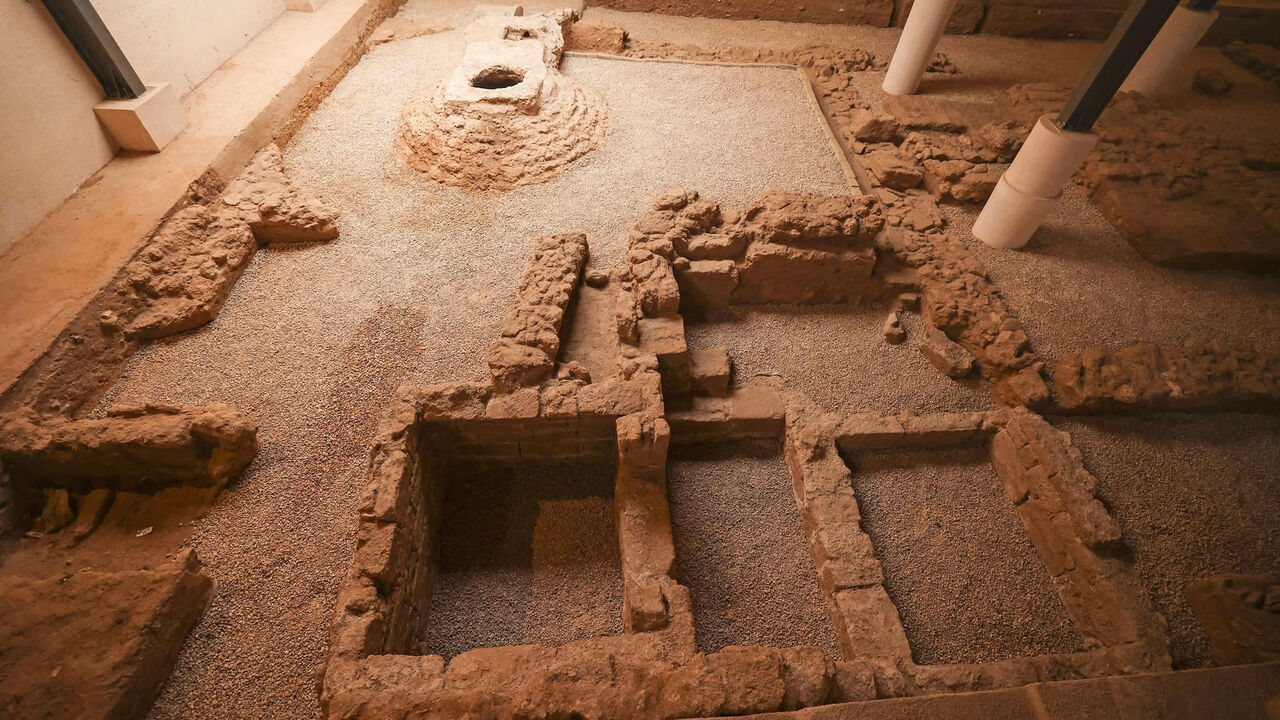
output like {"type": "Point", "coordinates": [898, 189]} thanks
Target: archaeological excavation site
{"type": "Point", "coordinates": [565, 360]}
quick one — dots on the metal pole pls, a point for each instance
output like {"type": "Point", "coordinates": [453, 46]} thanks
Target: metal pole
{"type": "Point", "coordinates": [90, 37]}
{"type": "Point", "coordinates": [1120, 53]}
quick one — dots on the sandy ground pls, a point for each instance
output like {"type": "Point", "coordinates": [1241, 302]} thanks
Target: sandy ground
{"type": "Point", "coordinates": [1196, 495]}
{"type": "Point", "coordinates": [741, 550]}
{"type": "Point", "coordinates": [837, 356]}
{"type": "Point", "coordinates": [414, 290]}
{"type": "Point", "coordinates": [957, 562]}
{"type": "Point", "coordinates": [526, 557]}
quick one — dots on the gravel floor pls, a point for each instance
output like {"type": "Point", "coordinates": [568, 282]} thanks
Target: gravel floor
{"type": "Point", "coordinates": [314, 339]}
{"type": "Point", "coordinates": [957, 562]}
{"type": "Point", "coordinates": [526, 557]}
{"type": "Point", "coordinates": [837, 356]}
{"type": "Point", "coordinates": [741, 550]}
{"type": "Point", "coordinates": [1196, 495]}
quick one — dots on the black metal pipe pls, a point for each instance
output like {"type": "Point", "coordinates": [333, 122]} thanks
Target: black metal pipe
{"type": "Point", "coordinates": [91, 39]}
{"type": "Point", "coordinates": [1130, 38]}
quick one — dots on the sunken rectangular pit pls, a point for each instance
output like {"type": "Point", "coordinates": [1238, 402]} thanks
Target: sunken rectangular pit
{"type": "Point", "coordinates": [741, 550]}
{"type": "Point", "coordinates": [956, 558]}
{"type": "Point", "coordinates": [527, 554]}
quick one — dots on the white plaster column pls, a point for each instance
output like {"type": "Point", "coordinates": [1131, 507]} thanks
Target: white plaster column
{"type": "Point", "coordinates": [1175, 41]}
{"type": "Point", "coordinates": [915, 48]}
{"type": "Point", "coordinates": [1029, 188]}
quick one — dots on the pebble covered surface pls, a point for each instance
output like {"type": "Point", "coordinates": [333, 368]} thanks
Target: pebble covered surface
{"type": "Point", "coordinates": [837, 355]}
{"type": "Point", "coordinates": [1195, 495]}
{"type": "Point", "coordinates": [742, 551]}
{"type": "Point", "coordinates": [527, 556]}
{"type": "Point", "coordinates": [314, 339]}
{"type": "Point", "coordinates": [957, 561]}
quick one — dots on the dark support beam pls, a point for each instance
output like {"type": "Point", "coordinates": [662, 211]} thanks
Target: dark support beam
{"type": "Point", "coordinates": [1120, 53]}
{"type": "Point", "coordinates": [90, 37]}
{"type": "Point", "coordinates": [1201, 5]}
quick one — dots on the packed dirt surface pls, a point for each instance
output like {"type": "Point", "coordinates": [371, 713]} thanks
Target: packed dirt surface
{"type": "Point", "coordinates": [957, 562]}
{"type": "Point", "coordinates": [436, 268]}
{"type": "Point", "coordinates": [1195, 495]}
{"type": "Point", "coordinates": [741, 549]}
{"type": "Point", "coordinates": [526, 557]}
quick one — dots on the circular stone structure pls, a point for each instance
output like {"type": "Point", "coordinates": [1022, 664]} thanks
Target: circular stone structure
{"type": "Point", "coordinates": [507, 116]}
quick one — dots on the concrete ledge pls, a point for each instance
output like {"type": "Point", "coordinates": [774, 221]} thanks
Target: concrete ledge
{"type": "Point", "coordinates": [49, 275]}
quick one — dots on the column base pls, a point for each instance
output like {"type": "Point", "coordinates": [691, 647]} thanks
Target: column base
{"type": "Point", "coordinates": [1011, 217]}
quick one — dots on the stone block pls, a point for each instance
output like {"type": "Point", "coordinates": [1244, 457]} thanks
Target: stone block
{"type": "Point", "coordinates": [945, 354]}
{"type": "Point", "coordinates": [806, 677]}
{"type": "Point", "coordinates": [752, 679]}
{"type": "Point", "coordinates": [140, 448]}
{"type": "Point", "coordinates": [868, 625]}
{"type": "Point", "coordinates": [663, 337]}
{"type": "Point", "coordinates": [146, 123]}
{"type": "Point", "coordinates": [893, 169]}
{"type": "Point", "coordinates": [522, 403]}
{"type": "Point", "coordinates": [713, 246]}
{"type": "Point", "coordinates": [707, 283]}
{"type": "Point", "coordinates": [776, 273]}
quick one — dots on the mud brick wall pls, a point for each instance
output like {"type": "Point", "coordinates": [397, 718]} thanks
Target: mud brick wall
{"type": "Point", "coordinates": [1146, 377]}
{"type": "Point", "coordinates": [535, 440]}
{"type": "Point", "coordinates": [1079, 542]}
{"type": "Point", "coordinates": [137, 448]}
{"type": "Point", "coordinates": [392, 571]}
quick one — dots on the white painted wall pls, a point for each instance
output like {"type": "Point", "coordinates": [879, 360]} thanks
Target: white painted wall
{"type": "Point", "coordinates": [50, 140]}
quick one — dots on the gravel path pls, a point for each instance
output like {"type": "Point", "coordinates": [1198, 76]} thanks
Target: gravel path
{"type": "Point", "coordinates": [957, 562]}
{"type": "Point", "coordinates": [526, 557]}
{"type": "Point", "coordinates": [1196, 495]}
{"type": "Point", "coordinates": [741, 550]}
{"type": "Point", "coordinates": [313, 340]}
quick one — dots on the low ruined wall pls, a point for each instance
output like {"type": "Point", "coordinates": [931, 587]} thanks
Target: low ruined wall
{"type": "Point", "coordinates": [1058, 19]}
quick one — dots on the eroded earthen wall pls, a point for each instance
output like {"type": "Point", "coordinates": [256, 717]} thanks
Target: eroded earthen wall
{"type": "Point", "coordinates": [1086, 19]}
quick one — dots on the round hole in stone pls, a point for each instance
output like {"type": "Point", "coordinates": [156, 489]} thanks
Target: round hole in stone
{"type": "Point", "coordinates": [496, 78]}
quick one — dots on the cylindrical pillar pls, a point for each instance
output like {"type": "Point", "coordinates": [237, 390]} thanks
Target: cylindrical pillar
{"type": "Point", "coordinates": [1029, 188]}
{"type": "Point", "coordinates": [1180, 34]}
{"type": "Point", "coordinates": [920, 35]}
